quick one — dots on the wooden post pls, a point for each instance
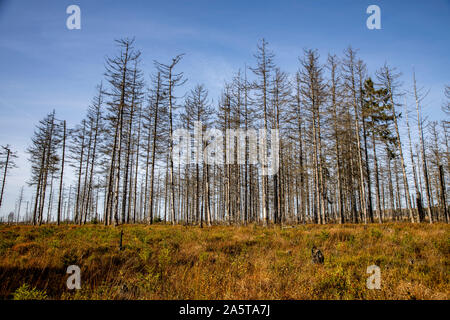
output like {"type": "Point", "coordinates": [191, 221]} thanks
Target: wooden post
{"type": "Point", "coordinates": [121, 238]}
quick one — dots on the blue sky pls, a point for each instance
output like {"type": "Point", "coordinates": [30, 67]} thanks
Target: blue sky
{"type": "Point", "coordinates": [44, 65]}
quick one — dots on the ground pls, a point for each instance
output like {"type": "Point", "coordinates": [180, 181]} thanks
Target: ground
{"type": "Point", "coordinates": [224, 262]}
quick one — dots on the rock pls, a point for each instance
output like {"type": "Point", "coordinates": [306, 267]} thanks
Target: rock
{"type": "Point", "coordinates": [317, 255]}
{"type": "Point", "coordinates": [124, 288]}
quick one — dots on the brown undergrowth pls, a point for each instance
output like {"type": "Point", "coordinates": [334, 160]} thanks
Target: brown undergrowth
{"type": "Point", "coordinates": [223, 262]}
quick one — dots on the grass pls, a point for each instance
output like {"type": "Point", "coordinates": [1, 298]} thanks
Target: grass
{"type": "Point", "coordinates": [223, 262]}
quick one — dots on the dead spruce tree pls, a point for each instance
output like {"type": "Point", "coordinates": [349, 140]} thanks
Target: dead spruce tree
{"type": "Point", "coordinates": [197, 117]}
{"type": "Point", "coordinates": [263, 70]}
{"type": "Point", "coordinates": [170, 82]}
{"type": "Point", "coordinates": [44, 158]}
{"type": "Point", "coordinates": [418, 97]}
{"type": "Point", "coordinates": [388, 78]}
{"type": "Point", "coordinates": [7, 162]}
{"type": "Point", "coordinates": [340, 150]}
{"type": "Point", "coordinates": [120, 72]}
{"type": "Point", "coordinates": [313, 93]}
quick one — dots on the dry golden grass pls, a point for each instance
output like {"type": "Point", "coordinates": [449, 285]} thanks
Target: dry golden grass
{"type": "Point", "coordinates": [222, 262]}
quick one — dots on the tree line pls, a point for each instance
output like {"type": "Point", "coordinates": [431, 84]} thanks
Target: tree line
{"type": "Point", "coordinates": [341, 155]}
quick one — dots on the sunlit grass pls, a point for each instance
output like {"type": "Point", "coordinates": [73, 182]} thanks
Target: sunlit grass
{"type": "Point", "coordinates": [177, 262]}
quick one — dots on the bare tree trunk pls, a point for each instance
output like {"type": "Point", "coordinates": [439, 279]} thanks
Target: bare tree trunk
{"type": "Point", "coordinates": [136, 171]}
{"type": "Point", "coordinates": [47, 167]}
{"type": "Point", "coordinates": [443, 191]}
{"type": "Point", "coordinates": [38, 188]}
{"type": "Point", "coordinates": [422, 149]}
{"type": "Point", "coordinates": [402, 160]}
{"type": "Point", "coordinates": [84, 203]}
{"type": "Point", "coordinates": [62, 174]}
{"type": "Point", "coordinates": [377, 178]}
{"type": "Point", "coordinates": [420, 215]}
{"type": "Point", "coordinates": [80, 168]}
{"type": "Point", "coordinates": [8, 152]}
{"type": "Point", "coordinates": [155, 123]}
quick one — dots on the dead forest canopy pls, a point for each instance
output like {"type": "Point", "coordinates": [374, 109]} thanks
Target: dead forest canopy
{"type": "Point", "coordinates": [342, 157]}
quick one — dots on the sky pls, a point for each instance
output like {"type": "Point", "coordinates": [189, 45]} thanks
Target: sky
{"type": "Point", "coordinates": [46, 66]}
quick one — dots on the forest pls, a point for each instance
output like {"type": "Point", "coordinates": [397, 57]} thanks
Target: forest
{"type": "Point", "coordinates": [342, 157]}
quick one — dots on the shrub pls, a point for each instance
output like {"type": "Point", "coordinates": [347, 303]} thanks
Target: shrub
{"type": "Point", "coordinates": [25, 292]}
{"type": "Point", "coordinates": [376, 233]}
{"type": "Point", "coordinates": [324, 235]}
